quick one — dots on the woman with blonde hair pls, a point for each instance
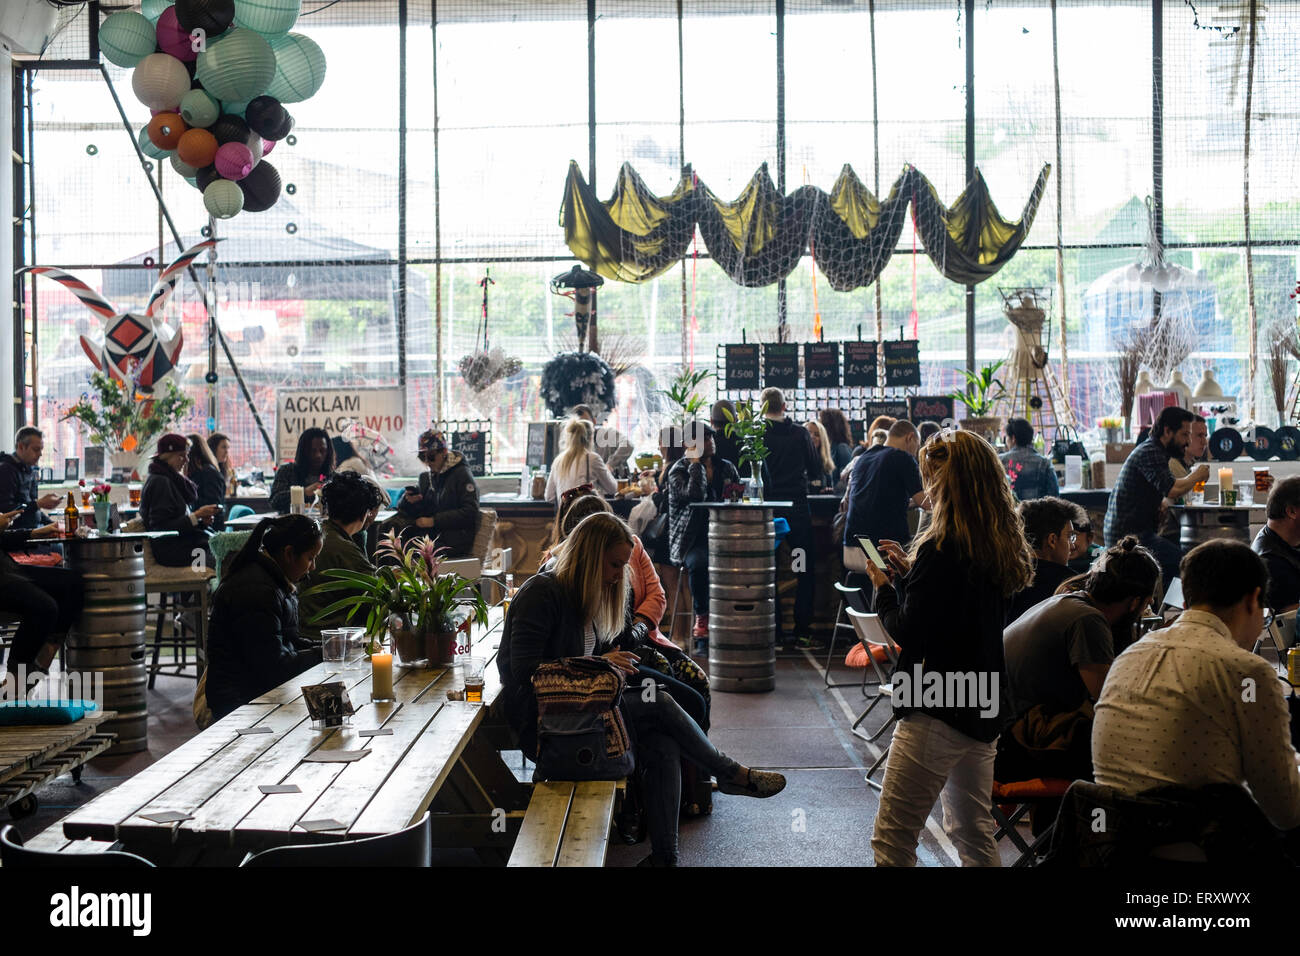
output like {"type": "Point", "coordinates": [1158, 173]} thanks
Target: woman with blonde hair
{"type": "Point", "coordinates": [822, 444]}
{"type": "Point", "coordinates": [971, 558]}
{"type": "Point", "coordinates": [578, 463]}
{"type": "Point", "coordinates": [580, 609]}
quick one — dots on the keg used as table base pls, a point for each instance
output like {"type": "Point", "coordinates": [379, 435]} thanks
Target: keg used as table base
{"type": "Point", "coordinates": [1199, 524]}
{"type": "Point", "coordinates": [742, 597]}
{"type": "Point", "coordinates": [106, 647]}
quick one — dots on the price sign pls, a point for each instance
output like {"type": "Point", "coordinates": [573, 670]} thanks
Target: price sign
{"type": "Point", "coordinates": [741, 366]}
{"type": "Point", "coordinates": [860, 364]}
{"type": "Point", "coordinates": [903, 363]}
{"type": "Point", "coordinates": [821, 365]}
{"type": "Point", "coordinates": [781, 365]}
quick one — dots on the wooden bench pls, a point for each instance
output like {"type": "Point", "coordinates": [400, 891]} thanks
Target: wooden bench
{"type": "Point", "coordinates": [31, 756]}
{"type": "Point", "coordinates": [567, 824]}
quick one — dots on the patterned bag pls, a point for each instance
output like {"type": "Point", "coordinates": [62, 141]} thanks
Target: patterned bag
{"type": "Point", "coordinates": [580, 731]}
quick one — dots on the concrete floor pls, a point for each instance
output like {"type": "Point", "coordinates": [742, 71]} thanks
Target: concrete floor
{"type": "Point", "coordinates": [823, 818]}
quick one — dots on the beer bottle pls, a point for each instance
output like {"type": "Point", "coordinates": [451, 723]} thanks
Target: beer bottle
{"type": "Point", "coordinates": [70, 516]}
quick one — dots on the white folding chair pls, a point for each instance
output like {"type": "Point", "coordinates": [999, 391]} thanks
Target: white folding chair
{"type": "Point", "coordinates": [1174, 595]}
{"type": "Point", "coordinates": [872, 635]}
{"type": "Point", "coordinates": [848, 596]}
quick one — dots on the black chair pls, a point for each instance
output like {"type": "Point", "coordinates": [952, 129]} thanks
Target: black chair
{"type": "Point", "coordinates": [410, 847]}
{"type": "Point", "coordinates": [14, 854]}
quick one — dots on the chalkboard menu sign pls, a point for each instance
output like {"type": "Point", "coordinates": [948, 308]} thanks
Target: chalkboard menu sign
{"type": "Point", "coordinates": [541, 448]}
{"type": "Point", "coordinates": [930, 408]}
{"type": "Point", "coordinates": [821, 365]}
{"type": "Point", "coordinates": [473, 447]}
{"type": "Point", "coordinates": [781, 365]}
{"type": "Point", "coordinates": [902, 363]}
{"type": "Point", "coordinates": [894, 409]}
{"type": "Point", "coordinates": [860, 364]}
{"type": "Point", "coordinates": [742, 366]}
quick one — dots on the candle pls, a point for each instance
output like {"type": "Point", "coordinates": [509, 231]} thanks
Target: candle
{"type": "Point", "coordinates": [1225, 482]}
{"type": "Point", "coordinates": [297, 500]}
{"type": "Point", "coordinates": [381, 676]}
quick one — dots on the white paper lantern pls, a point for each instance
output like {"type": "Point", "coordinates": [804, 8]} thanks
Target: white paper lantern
{"type": "Point", "coordinates": [159, 81]}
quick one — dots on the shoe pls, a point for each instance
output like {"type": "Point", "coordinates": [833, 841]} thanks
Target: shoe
{"type": "Point", "coordinates": [808, 642]}
{"type": "Point", "coordinates": [701, 646]}
{"type": "Point", "coordinates": [701, 626]}
{"type": "Point", "coordinates": [757, 783]}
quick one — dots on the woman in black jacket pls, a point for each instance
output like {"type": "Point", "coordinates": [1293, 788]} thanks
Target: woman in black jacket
{"type": "Point", "coordinates": [253, 640]}
{"type": "Point", "coordinates": [169, 502]}
{"type": "Point", "coordinates": [202, 469]}
{"type": "Point", "coordinates": [445, 503]}
{"type": "Point", "coordinates": [956, 584]}
{"type": "Point", "coordinates": [312, 465]}
{"type": "Point", "coordinates": [580, 609]}
{"type": "Point", "coordinates": [46, 600]}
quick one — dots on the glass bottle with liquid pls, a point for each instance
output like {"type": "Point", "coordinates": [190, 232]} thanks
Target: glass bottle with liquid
{"type": "Point", "coordinates": [70, 516]}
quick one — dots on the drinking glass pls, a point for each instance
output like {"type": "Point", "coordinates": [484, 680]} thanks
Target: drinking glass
{"type": "Point", "coordinates": [355, 646]}
{"type": "Point", "coordinates": [334, 645]}
{"type": "Point", "coordinates": [134, 492]}
{"type": "Point", "coordinates": [474, 668]}
{"type": "Point", "coordinates": [1246, 493]}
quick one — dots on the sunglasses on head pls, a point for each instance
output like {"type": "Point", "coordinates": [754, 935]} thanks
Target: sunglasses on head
{"type": "Point", "coordinates": [578, 492]}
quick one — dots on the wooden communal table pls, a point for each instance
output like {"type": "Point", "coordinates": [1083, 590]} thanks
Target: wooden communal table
{"type": "Point", "coordinates": [33, 755]}
{"type": "Point", "coordinates": [435, 758]}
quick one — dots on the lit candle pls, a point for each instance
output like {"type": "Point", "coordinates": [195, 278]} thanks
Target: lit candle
{"type": "Point", "coordinates": [297, 500]}
{"type": "Point", "coordinates": [1225, 482]}
{"type": "Point", "coordinates": [381, 676]}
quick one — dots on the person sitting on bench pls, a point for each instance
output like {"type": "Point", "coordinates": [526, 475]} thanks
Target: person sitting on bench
{"type": "Point", "coordinates": [46, 600]}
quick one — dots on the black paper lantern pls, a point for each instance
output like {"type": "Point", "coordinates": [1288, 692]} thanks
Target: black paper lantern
{"type": "Point", "coordinates": [268, 118]}
{"type": "Point", "coordinates": [205, 177]}
{"type": "Point", "coordinates": [213, 17]}
{"type": "Point", "coordinates": [229, 128]}
{"type": "Point", "coordinates": [261, 187]}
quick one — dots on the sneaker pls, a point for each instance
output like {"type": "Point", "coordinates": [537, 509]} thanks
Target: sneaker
{"type": "Point", "coordinates": [701, 626]}
{"type": "Point", "coordinates": [754, 783]}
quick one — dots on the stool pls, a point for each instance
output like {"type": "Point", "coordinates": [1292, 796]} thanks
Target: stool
{"type": "Point", "coordinates": [1021, 796]}
{"type": "Point", "coordinates": [171, 585]}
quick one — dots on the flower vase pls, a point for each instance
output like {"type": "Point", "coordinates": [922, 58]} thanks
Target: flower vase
{"type": "Point", "coordinates": [440, 647]}
{"type": "Point", "coordinates": [410, 647]}
{"type": "Point", "coordinates": [103, 509]}
{"type": "Point", "coordinates": [754, 487]}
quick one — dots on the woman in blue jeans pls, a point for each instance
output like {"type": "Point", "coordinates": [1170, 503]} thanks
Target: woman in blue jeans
{"type": "Point", "coordinates": [580, 609]}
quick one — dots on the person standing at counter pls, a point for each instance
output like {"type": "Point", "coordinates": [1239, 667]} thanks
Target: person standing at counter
{"type": "Point", "coordinates": [445, 503]}
{"type": "Point", "coordinates": [46, 600]}
{"type": "Point", "coordinates": [311, 466]}
{"type": "Point", "coordinates": [578, 464]}
{"type": "Point", "coordinates": [724, 447]}
{"type": "Point", "coordinates": [1031, 474]}
{"type": "Point", "coordinates": [1278, 544]}
{"type": "Point", "coordinates": [18, 486]}
{"type": "Point", "coordinates": [201, 468]}
{"type": "Point", "coordinates": [841, 438]}
{"type": "Point", "coordinates": [825, 482]}
{"type": "Point", "coordinates": [610, 443]}
{"type": "Point", "coordinates": [1181, 466]}
{"type": "Point", "coordinates": [884, 484]}
{"type": "Point", "coordinates": [166, 503]}
{"type": "Point", "coordinates": [1146, 485]}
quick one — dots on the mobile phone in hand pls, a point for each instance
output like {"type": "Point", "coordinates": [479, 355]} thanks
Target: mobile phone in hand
{"type": "Point", "coordinates": [872, 553]}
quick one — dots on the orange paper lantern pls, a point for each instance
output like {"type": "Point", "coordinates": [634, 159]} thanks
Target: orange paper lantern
{"type": "Point", "coordinates": [166, 129]}
{"type": "Point", "coordinates": [196, 148]}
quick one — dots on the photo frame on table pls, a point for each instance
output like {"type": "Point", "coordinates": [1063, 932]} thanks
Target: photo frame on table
{"type": "Point", "coordinates": [94, 460]}
{"type": "Point", "coordinates": [71, 469]}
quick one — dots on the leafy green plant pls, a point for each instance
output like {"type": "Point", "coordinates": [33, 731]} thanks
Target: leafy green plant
{"type": "Point", "coordinates": [414, 590]}
{"type": "Point", "coordinates": [684, 395]}
{"type": "Point", "coordinates": [983, 390]}
{"type": "Point", "coordinates": [120, 418]}
{"type": "Point", "coordinates": [748, 429]}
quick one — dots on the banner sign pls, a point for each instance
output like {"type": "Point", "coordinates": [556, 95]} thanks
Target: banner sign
{"type": "Point", "coordinates": [297, 409]}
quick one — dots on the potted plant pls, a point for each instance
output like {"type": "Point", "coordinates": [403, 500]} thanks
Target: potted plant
{"type": "Point", "coordinates": [683, 395]}
{"type": "Point", "coordinates": [748, 430]}
{"type": "Point", "coordinates": [1111, 426]}
{"type": "Point", "coordinates": [103, 509]}
{"type": "Point", "coordinates": [983, 391]}
{"type": "Point", "coordinates": [412, 598]}
{"type": "Point", "coordinates": [125, 420]}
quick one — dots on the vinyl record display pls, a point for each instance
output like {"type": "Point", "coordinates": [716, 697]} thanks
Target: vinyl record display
{"type": "Point", "coordinates": [1225, 444]}
{"type": "Point", "coordinates": [1264, 446]}
{"type": "Point", "coordinates": [1287, 441]}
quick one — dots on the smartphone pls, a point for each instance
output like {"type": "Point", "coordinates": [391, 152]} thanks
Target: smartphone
{"type": "Point", "coordinates": [872, 553]}
{"type": "Point", "coordinates": [412, 489]}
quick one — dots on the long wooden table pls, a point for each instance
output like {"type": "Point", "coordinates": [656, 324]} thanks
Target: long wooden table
{"type": "Point", "coordinates": [435, 758]}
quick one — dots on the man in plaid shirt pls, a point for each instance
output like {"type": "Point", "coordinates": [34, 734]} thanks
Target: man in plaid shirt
{"type": "Point", "coordinates": [1146, 486]}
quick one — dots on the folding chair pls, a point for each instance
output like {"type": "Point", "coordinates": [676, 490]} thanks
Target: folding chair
{"type": "Point", "coordinates": [847, 596]}
{"type": "Point", "coordinates": [1011, 801]}
{"type": "Point", "coordinates": [872, 635]}
{"type": "Point", "coordinates": [1174, 595]}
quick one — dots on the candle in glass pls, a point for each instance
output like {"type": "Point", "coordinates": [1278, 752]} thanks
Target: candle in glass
{"type": "Point", "coordinates": [1225, 482]}
{"type": "Point", "coordinates": [381, 675]}
{"type": "Point", "coordinates": [297, 499]}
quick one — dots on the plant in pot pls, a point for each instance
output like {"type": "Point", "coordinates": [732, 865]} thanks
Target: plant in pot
{"type": "Point", "coordinates": [684, 395]}
{"type": "Point", "coordinates": [412, 598]}
{"type": "Point", "coordinates": [983, 391]}
{"type": "Point", "coordinates": [126, 420]}
{"type": "Point", "coordinates": [748, 429]}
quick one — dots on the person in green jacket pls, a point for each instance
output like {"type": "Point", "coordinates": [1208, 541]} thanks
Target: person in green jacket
{"type": "Point", "coordinates": [351, 503]}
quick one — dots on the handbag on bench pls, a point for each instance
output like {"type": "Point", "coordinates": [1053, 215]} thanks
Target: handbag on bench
{"type": "Point", "coordinates": [580, 731]}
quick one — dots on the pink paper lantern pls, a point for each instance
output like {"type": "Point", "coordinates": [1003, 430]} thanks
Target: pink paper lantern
{"type": "Point", "coordinates": [234, 161]}
{"type": "Point", "coordinates": [267, 146]}
{"type": "Point", "coordinates": [173, 39]}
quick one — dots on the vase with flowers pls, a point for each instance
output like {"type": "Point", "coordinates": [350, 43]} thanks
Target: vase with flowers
{"type": "Point", "coordinates": [125, 419]}
{"type": "Point", "coordinates": [99, 494]}
{"type": "Point", "coordinates": [411, 597]}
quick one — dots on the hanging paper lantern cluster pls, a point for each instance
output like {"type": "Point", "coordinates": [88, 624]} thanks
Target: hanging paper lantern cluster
{"type": "Point", "coordinates": [217, 118]}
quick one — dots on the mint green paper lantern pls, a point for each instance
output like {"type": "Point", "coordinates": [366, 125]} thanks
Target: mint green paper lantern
{"type": "Point", "coordinates": [126, 38]}
{"type": "Point", "coordinates": [184, 170]}
{"type": "Point", "coordinates": [299, 68]}
{"type": "Point", "coordinates": [239, 65]}
{"type": "Point", "coordinates": [199, 109]}
{"type": "Point", "coordinates": [267, 17]}
{"type": "Point", "coordinates": [153, 9]}
{"type": "Point", "coordinates": [223, 199]}
{"type": "Point", "coordinates": [235, 109]}
{"type": "Point", "coordinates": [147, 147]}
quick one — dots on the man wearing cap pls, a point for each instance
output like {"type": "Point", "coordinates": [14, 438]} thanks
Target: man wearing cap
{"type": "Point", "coordinates": [165, 505]}
{"type": "Point", "coordinates": [445, 503]}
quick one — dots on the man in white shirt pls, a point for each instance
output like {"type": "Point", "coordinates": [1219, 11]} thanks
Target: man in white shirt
{"type": "Point", "coordinates": [1190, 705]}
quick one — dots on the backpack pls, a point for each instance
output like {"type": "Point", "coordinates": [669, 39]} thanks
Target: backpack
{"type": "Point", "coordinates": [580, 731]}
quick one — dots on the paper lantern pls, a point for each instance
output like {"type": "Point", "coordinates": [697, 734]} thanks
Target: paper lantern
{"type": "Point", "coordinates": [213, 17]}
{"type": "Point", "coordinates": [230, 129]}
{"type": "Point", "coordinates": [234, 160]}
{"type": "Point", "coordinates": [268, 17]}
{"type": "Point", "coordinates": [205, 177]}
{"type": "Point", "coordinates": [147, 147]}
{"type": "Point", "coordinates": [234, 109]}
{"type": "Point", "coordinates": [185, 170]}
{"type": "Point", "coordinates": [268, 119]}
{"type": "Point", "coordinates": [197, 148]}
{"type": "Point", "coordinates": [299, 68]}
{"type": "Point", "coordinates": [159, 81]}
{"type": "Point", "coordinates": [166, 130]}
{"type": "Point", "coordinates": [267, 146]}
{"type": "Point", "coordinates": [199, 108]}
{"type": "Point", "coordinates": [223, 199]}
{"type": "Point", "coordinates": [126, 38]}
{"type": "Point", "coordinates": [237, 66]}
{"type": "Point", "coordinates": [153, 9]}
{"type": "Point", "coordinates": [172, 39]}
{"type": "Point", "coordinates": [261, 187]}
